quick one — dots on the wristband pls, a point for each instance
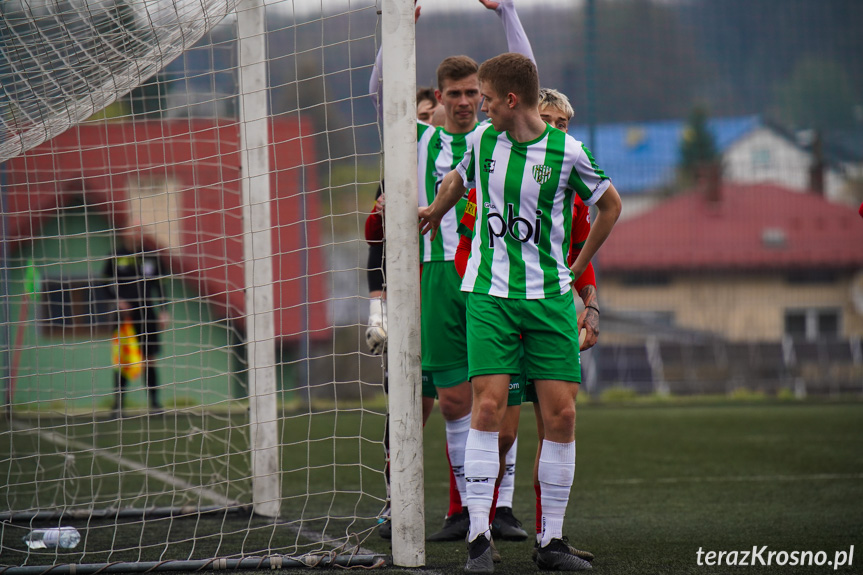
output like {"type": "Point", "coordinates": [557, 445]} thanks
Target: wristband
{"type": "Point", "coordinates": [596, 309]}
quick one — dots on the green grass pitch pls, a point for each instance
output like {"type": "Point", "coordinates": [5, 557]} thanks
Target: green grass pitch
{"type": "Point", "coordinates": [654, 484]}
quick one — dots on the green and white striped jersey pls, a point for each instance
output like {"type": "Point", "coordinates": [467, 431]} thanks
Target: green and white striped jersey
{"type": "Point", "coordinates": [438, 153]}
{"type": "Point", "coordinates": [524, 195]}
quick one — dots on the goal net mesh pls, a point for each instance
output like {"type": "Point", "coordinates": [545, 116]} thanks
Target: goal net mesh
{"type": "Point", "coordinates": [122, 166]}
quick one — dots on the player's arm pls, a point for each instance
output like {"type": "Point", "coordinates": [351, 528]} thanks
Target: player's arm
{"type": "Point", "coordinates": [465, 231]}
{"type": "Point", "coordinates": [516, 38]}
{"type": "Point", "coordinates": [112, 285]}
{"type": "Point", "coordinates": [374, 229]}
{"type": "Point", "coordinates": [376, 85]}
{"type": "Point", "coordinates": [585, 285]}
{"type": "Point", "coordinates": [376, 330]}
{"type": "Point", "coordinates": [159, 300]}
{"type": "Point", "coordinates": [109, 274]}
{"type": "Point", "coordinates": [462, 254]}
{"type": "Point", "coordinates": [608, 208]}
{"type": "Point", "coordinates": [451, 190]}
{"type": "Point", "coordinates": [161, 274]}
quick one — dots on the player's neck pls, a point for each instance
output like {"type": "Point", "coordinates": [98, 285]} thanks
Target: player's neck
{"type": "Point", "coordinates": [527, 127]}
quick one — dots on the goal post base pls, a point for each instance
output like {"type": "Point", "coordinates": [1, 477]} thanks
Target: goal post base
{"type": "Point", "coordinates": [308, 561]}
{"type": "Point", "coordinates": [127, 513]}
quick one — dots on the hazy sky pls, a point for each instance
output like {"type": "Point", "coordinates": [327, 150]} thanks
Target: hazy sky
{"type": "Point", "coordinates": [428, 6]}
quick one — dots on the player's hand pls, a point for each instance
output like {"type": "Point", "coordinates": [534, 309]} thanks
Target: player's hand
{"type": "Point", "coordinates": [429, 221]}
{"type": "Point", "coordinates": [376, 333]}
{"type": "Point", "coordinates": [589, 322]}
{"type": "Point", "coordinates": [577, 269]}
{"type": "Point", "coordinates": [490, 4]}
{"type": "Point", "coordinates": [380, 204]}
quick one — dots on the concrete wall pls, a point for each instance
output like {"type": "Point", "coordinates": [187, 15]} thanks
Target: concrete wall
{"type": "Point", "coordinates": [748, 307]}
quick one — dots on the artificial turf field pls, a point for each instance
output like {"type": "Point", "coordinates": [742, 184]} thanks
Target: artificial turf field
{"type": "Point", "coordinates": [654, 483]}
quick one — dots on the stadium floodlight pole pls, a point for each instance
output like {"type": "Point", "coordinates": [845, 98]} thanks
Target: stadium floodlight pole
{"type": "Point", "coordinates": [258, 261]}
{"type": "Point", "coordinates": [403, 302]}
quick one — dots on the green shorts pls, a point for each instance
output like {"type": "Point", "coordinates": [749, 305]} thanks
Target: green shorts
{"type": "Point", "coordinates": [517, 387]}
{"type": "Point", "coordinates": [530, 393]}
{"type": "Point", "coordinates": [428, 389]}
{"type": "Point", "coordinates": [549, 334]}
{"type": "Point", "coordinates": [518, 384]}
{"type": "Point", "coordinates": [444, 378]}
{"type": "Point", "coordinates": [444, 329]}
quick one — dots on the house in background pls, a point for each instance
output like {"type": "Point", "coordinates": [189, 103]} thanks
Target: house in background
{"type": "Point", "coordinates": [744, 262]}
{"type": "Point", "coordinates": [642, 159]}
{"type": "Point", "coordinates": [802, 162]}
{"type": "Point", "coordinates": [734, 285]}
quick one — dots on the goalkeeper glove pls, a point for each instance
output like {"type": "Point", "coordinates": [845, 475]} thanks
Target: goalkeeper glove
{"type": "Point", "coordinates": [376, 333]}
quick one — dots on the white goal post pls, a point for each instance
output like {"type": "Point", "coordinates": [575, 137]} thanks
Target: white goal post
{"type": "Point", "coordinates": [257, 256]}
{"type": "Point", "coordinates": [218, 159]}
{"type": "Point", "coordinates": [403, 304]}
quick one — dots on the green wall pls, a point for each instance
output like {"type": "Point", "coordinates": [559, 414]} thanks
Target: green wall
{"type": "Point", "coordinates": [74, 372]}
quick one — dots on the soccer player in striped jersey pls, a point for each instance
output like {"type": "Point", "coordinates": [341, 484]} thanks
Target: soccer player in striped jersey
{"type": "Point", "coordinates": [444, 357]}
{"type": "Point", "coordinates": [554, 109]}
{"type": "Point", "coordinates": [518, 285]}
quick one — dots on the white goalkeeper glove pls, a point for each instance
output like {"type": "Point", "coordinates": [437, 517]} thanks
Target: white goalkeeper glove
{"type": "Point", "coordinates": [376, 333]}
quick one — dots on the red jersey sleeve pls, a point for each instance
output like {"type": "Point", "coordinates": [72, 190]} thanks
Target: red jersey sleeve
{"type": "Point", "coordinates": [580, 231]}
{"type": "Point", "coordinates": [468, 220]}
{"type": "Point", "coordinates": [465, 229]}
{"type": "Point", "coordinates": [462, 254]}
{"type": "Point", "coordinates": [375, 225]}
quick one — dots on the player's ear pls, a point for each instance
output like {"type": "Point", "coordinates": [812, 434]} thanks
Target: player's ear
{"type": "Point", "coordinates": [439, 95]}
{"type": "Point", "coordinates": [511, 100]}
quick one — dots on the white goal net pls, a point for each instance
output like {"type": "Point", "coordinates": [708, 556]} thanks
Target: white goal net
{"type": "Point", "coordinates": [195, 174]}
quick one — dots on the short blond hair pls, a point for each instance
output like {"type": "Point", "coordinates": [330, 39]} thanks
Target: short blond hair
{"type": "Point", "coordinates": [551, 98]}
{"type": "Point", "coordinates": [512, 73]}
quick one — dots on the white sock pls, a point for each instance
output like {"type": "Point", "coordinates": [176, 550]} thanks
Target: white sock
{"type": "Point", "coordinates": [507, 483]}
{"type": "Point", "coordinates": [481, 465]}
{"type": "Point", "coordinates": [556, 473]}
{"type": "Point", "coordinates": [456, 439]}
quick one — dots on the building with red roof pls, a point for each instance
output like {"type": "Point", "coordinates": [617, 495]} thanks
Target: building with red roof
{"type": "Point", "coordinates": [198, 163]}
{"type": "Point", "coordinates": [181, 180]}
{"type": "Point", "coordinates": [745, 262]}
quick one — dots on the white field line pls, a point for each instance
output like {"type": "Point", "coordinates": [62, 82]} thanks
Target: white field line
{"type": "Point", "coordinates": [166, 478]}
{"type": "Point", "coordinates": [739, 479]}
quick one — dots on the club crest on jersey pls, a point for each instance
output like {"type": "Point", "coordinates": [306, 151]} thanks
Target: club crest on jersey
{"type": "Point", "coordinates": [488, 166]}
{"type": "Point", "coordinates": [541, 173]}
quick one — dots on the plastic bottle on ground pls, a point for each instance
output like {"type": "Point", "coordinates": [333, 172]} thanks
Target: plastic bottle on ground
{"type": "Point", "coordinates": [61, 537]}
